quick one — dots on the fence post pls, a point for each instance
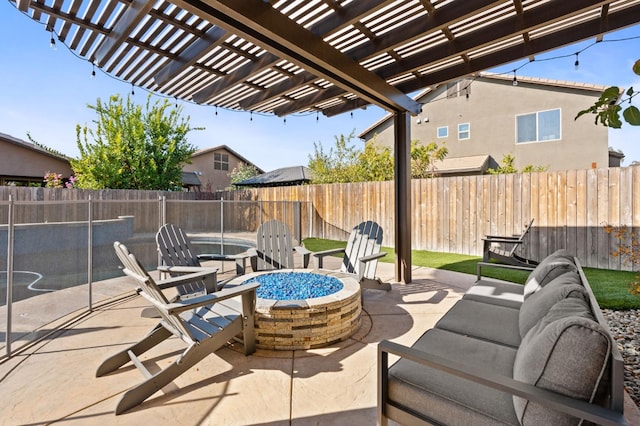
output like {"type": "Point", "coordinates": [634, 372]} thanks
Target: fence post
{"type": "Point", "coordinates": [297, 221]}
{"type": "Point", "coordinates": [90, 253]}
{"type": "Point", "coordinates": [9, 275]}
{"type": "Point", "coordinates": [222, 226]}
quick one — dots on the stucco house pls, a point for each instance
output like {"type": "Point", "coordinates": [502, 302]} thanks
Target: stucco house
{"type": "Point", "coordinates": [25, 164]}
{"type": "Point", "coordinates": [491, 115]}
{"type": "Point", "coordinates": [213, 165]}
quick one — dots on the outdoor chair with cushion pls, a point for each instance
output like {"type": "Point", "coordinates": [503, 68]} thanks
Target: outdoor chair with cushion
{"type": "Point", "coordinates": [203, 323]}
{"type": "Point", "coordinates": [503, 249]}
{"type": "Point", "coordinates": [360, 255]}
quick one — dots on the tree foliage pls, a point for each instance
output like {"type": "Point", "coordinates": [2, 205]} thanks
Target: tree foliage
{"type": "Point", "coordinates": [424, 157]}
{"type": "Point", "coordinates": [346, 163]}
{"type": "Point", "coordinates": [242, 172]}
{"type": "Point", "coordinates": [132, 147]}
{"type": "Point", "coordinates": [609, 105]}
{"type": "Point", "coordinates": [507, 166]}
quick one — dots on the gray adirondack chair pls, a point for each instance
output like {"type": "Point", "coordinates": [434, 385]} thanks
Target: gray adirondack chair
{"type": "Point", "coordinates": [203, 323]}
{"type": "Point", "coordinates": [360, 255]}
{"type": "Point", "coordinates": [274, 248]}
{"type": "Point", "coordinates": [503, 249]}
{"type": "Point", "coordinates": [179, 257]}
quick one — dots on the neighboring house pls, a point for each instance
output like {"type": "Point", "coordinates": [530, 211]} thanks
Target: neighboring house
{"type": "Point", "coordinates": [489, 115]}
{"type": "Point", "coordinates": [287, 176]}
{"type": "Point", "coordinates": [25, 164]}
{"type": "Point", "coordinates": [213, 165]}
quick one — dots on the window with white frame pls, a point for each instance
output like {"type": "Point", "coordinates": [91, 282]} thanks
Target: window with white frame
{"type": "Point", "coordinates": [538, 126]}
{"type": "Point", "coordinates": [220, 161]}
{"type": "Point", "coordinates": [443, 132]}
{"type": "Point", "coordinates": [464, 131]}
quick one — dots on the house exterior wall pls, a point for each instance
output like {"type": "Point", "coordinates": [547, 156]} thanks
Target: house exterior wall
{"type": "Point", "coordinates": [211, 178]}
{"type": "Point", "coordinates": [24, 163]}
{"type": "Point", "coordinates": [491, 110]}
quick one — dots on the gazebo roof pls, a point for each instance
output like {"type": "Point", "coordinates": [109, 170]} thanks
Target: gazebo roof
{"type": "Point", "coordinates": [327, 56]}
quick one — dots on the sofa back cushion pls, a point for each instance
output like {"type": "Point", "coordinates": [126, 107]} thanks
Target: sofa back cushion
{"type": "Point", "coordinates": [551, 267]}
{"type": "Point", "coordinates": [538, 304]}
{"type": "Point", "coordinates": [566, 352]}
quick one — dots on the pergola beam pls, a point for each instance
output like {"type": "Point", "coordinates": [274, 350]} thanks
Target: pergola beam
{"type": "Point", "coordinates": [203, 45]}
{"type": "Point", "coordinates": [123, 29]}
{"type": "Point", "coordinates": [460, 46]}
{"type": "Point", "coordinates": [585, 30]}
{"type": "Point", "coordinates": [259, 23]}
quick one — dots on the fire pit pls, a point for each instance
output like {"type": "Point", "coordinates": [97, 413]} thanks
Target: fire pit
{"type": "Point", "coordinates": [304, 309]}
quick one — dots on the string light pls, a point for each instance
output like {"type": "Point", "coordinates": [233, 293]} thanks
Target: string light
{"type": "Point", "coordinates": [515, 79]}
{"type": "Point", "coordinates": [317, 117]}
{"type": "Point", "coordinates": [52, 41]}
{"type": "Point", "coordinates": [577, 62]}
{"type": "Point", "coordinates": [132, 91]}
{"type": "Point", "coordinates": [93, 69]}
{"type": "Point", "coordinates": [251, 116]}
{"type": "Point", "coordinates": [216, 110]}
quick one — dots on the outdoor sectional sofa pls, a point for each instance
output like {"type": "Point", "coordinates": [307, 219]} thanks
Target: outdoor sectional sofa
{"type": "Point", "coordinates": [512, 354]}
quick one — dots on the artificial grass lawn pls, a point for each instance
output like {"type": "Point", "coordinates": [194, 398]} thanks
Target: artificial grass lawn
{"type": "Point", "coordinates": [610, 287]}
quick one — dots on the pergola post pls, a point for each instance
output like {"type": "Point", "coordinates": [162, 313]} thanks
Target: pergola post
{"type": "Point", "coordinates": [402, 186]}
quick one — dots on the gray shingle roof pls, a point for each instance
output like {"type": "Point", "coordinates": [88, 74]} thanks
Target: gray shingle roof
{"type": "Point", "coordinates": [296, 175]}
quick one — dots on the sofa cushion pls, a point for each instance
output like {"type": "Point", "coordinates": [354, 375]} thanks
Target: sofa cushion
{"type": "Point", "coordinates": [485, 321]}
{"type": "Point", "coordinates": [537, 305]}
{"type": "Point", "coordinates": [503, 293]}
{"type": "Point", "coordinates": [551, 267]}
{"type": "Point", "coordinates": [448, 399]}
{"type": "Point", "coordinates": [566, 352]}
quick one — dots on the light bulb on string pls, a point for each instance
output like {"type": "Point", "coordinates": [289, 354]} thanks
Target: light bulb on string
{"type": "Point", "coordinates": [52, 41]}
{"type": "Point", "coordinates": [515, 79]}
{"type": "Point", "coordinates": [285, 121]}
{"type": "Point", "coordinates": [577, 62]}
{"type": "Point", "coordinates": [216, 110]}
{"type": "Point", "coordinates": [132, 91]}
{"type": "Point", "coordinates": [251, 116]}
{"type": "Point", "coordinates": [352, 115]}
{"type": "Point", "coordinates": [93, 70]}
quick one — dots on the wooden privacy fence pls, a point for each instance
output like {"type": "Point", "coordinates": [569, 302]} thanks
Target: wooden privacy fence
{"type": "Point", "coordinates": [450, 214]}
{"type": "Point", "coordinates": [453, 214]}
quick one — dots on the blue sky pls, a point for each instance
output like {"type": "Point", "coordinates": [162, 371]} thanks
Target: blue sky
{"type": "Point", "coordinates": [46, 92]}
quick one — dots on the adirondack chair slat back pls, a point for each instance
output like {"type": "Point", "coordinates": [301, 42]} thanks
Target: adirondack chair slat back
{"type": "Point", "coordinates": [274, 245]}
{"type": "Point", "coordinates": [150, 289]}
{"type": "Point", "coordinates": [365, 239]}
{"type": "Point", "coordinates": [524, 234]}
{"type": "Point", "coordinates": [176, 250]}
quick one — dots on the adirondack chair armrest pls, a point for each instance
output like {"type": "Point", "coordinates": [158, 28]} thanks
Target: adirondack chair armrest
{"type": "Point", "coordinates": [506, 237]}
{"type": "Point", "coordinates": [556, 401]}
{"type": "Point", "coordinates": [195, 302]}
{"type": "Point", "coordinates": [363, 262]}
{"type": "Point", "coordinates": [502, 240]}
{"type": "Point", "coordinates": [318, 256]}
{"type": "Point", "coordinates": [305, 253]}
{"type": "Point", "coordinates": [183, 269]}
{"type": "Point", "coordinates": [204, 274]}
{"type": "Point", "coordinates": [482, 265]}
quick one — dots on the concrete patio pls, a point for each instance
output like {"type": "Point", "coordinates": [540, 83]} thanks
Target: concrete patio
{"type": "Point", "coordinates": [53, 379]}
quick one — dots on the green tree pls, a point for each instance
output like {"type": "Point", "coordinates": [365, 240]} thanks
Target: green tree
{"type": "Point", "coordinates": [424, 157]}
{"type": "Point", "coordinates": [339, 165]}
{"type": "Point", "coordinates": [132, 147]}
{"type": "Point", "coordinates": [507, 166]}
{"type": "Point", "coordinates": [242, 172]}
{"type": "Point", "coordinates": [374, 163]}
{"type": "Point", "coordinates": [345, 163]}
{"type": "Point", "coordinates": [609, 105]}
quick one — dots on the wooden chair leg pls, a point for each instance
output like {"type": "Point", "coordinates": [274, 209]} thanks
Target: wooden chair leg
{"type": "Point", "coordinates": [115, 361]}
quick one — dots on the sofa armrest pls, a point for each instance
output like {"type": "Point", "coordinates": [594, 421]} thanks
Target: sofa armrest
{"type": "Point", "coordinates": [562, 403]}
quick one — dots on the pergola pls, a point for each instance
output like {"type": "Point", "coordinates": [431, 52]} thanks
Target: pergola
{"type": "Point", "coordinates": [325, 56]}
